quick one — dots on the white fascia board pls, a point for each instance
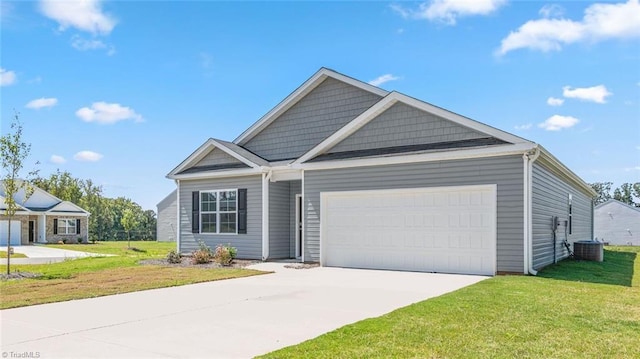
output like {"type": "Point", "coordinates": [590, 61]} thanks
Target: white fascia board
{"type": "Point", "coordinates": [492, 151]}
{"type": "Point", "coordinates": [197, 155]}
{"type": "Point", "coordinates": [68, 214]}
{"type": "Point", "coordinates": [298, 94]}
{"type": "Point", "coordinates": [289, 174]}
{"type": "Point", "coordinates": [357, 123]}
{"type": "Point", "coordinates": [217, 174]}
{"type": "Point", "coordinates": [564, 171]}
{"type": "Point", "coordinates": [202, 151]}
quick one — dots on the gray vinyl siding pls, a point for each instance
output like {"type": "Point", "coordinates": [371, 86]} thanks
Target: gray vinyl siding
{"type": "Point", "coordinates": [550, 197]}
{"type": "Point", "coordinates": [216, 157]}
{"type": "Point", "coordinates": [617, 223]}
{"type": "Point", "coordinates": [166, 224]}
{"type": "Point", "coordinates": [505, 172]}
{"type": "Point", "coordinates": [249, 245]}
{"type": "Point", "coordinates": [295, 188]}
{"type": "Point", "coordinates": [279, 220]}
{"type": "Point", "coordinates": [403, 125]}
{"type": "Point", "coordinates": [328, 107]}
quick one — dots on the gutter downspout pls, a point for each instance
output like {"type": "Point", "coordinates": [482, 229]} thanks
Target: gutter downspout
{"type": "Point", "coordinates": [528, 158]}
{"type": "Point", "coordinates": [178, 215]}
{"type": "Point", "coordinates": [266, 177]}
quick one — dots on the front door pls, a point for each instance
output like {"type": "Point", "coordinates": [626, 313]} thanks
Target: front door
{"type": "Point", "coordinates": [32, 231]}
{"type": "Point", "coordinates": [298, 226]}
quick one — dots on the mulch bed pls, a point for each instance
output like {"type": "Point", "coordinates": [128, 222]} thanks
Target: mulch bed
{"type": "Point", "coordinates": [186, 262]}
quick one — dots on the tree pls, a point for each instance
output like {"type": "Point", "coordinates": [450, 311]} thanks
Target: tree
{"type": "Point", "coordinates": [129, 221]}
{"type": "Point", "coordinates": [13, 152]}
{"type": "Point", "coordinates": [626, 193]}
{"type": "Point", "coordinates": [604, 191]}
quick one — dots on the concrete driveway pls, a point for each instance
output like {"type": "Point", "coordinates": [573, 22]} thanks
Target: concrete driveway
{"type": "Point", "coordinates": [41, 254]}
{"type": "Point", "coordinates": [237, 318]}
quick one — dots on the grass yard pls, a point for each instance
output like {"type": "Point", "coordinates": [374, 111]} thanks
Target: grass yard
{"type": "Point", "coordinates": [3, 254]}
{"type": "Point", "coordinates": [99, 276]}
{"type": "Point", "coordinates": [570, 310]}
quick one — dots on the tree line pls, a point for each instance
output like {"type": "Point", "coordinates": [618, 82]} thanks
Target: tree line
{"type": "Point", "coordinates": [111, 218]}
{"type": "Point", "coordinates": [628, 193]}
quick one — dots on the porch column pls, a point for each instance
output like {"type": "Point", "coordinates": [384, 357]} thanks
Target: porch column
{"type": "Point", "coordinates": [265, 215]}
{"type": "Point", "coordinates": [42, 228]}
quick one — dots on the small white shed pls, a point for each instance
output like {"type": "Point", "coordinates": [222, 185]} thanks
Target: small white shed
{"type": "Point", "coordinates": [617, 223]}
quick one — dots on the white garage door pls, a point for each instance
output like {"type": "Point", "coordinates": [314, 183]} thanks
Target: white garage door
{"type": "Point", "coordinates": [443, 229]}
{"type": "Point", "coordinates": [15, 232]}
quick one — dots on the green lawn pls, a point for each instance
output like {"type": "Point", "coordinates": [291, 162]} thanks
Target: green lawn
{"type": "Point", "coordinates": [570, 310]}
{"type": "Point", "coordinates": [99, 276]}
{"type": "Point", "coordinates": [3, 254]}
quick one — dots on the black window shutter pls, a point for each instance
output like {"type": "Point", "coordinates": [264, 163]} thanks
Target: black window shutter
{"type": "Point", "coordinates": [195, 212]}
{"type": "Point", "coordinates": [242, 210]}
{"type": "Point", "coordinates": [55, 226]}
{"type": "Point", "coordinates": [78, 226]}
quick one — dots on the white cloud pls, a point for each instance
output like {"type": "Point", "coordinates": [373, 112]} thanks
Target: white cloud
{"type": "Point", "coordinates": [107, 113]}
{"type": "Point", "coordinates": [600, 22]}
{"type": "Point", "coordinates": [206, 62]}
{"type": "Point", "coordinates": [42, 102]}
{"type": "Point", "coordinates": [82, 44]}
{"type": "Point", "coordinates": [7, 77]}
{"type": "Point", "coordinates": [558, 122]}
{"type": "Point", "coordinates": [595, 94]}
{"type": "Point", "coordinates": [57, 159]}
{"type": "Point", "coordinates": [552, 101]}
{"type": "Point", "coordinates": [87, 156]}
{"type": "Point", "coordinates": [551, 10]}
{"type": "Point", "coordinates": [383, 79]}
{"type": "Point", "coordinates": [84, 15]}
{"type": "Point", "coordinates": [448, 11]}
{"type": "Point", "coordinates": [524, 127]}
{"type": "Point", "coordinates": [629, 169]}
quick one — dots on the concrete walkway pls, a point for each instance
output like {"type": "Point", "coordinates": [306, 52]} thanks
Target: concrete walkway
{"type": "Point", "coordinates": [237, 318]}
{"type": "Point", "coordinates": [41, 254]}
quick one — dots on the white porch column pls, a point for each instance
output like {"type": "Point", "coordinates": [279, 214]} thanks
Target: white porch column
{"type": "Point", "coordinates": [42, 228]}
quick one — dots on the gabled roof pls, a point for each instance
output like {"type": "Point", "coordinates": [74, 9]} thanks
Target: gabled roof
{"type": "Point", "coordinates": [4, 206]}
{"type": "Point", "coordinates": [169, 198]}
{"type": "Point", "coordinates": [237, 152]}
{"type": "Point", "coordinates": [300, 93]}
{"type": "Point", "coordinates": [67, 207]}
{"type": "Point", "coordinates": [616, 202]}
{"type": "Point", "coordinates": [390, 100]}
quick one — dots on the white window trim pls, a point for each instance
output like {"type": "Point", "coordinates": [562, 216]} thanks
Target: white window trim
{"type": "Point", "coordinates": [75, 225]}
{"type": "Point", "coordinates": [218, 212]}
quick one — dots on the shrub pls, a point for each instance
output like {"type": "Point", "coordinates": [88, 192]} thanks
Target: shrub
{"type": "Point", "coordinates": [79, 239]}
{"type": "Point", "coordinates": [174, 257]}
{"type": "Point", "coordinates": [202, 255]}
{"type": "Point", "coordinates": [224, 255]}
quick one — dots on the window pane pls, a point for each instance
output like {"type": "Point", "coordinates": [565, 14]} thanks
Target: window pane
{"type": "Point", "coordinates": [228, 201]}
{"type": "Point", "coordinates": [208, 222]}
{"type": "Point", "coordinates": [208, 201]}
{"type": "Point", "coordinates": [227, 222]}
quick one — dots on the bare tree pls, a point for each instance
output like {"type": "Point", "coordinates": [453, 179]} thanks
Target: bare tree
{"type": "Point", "coordinates": [13, 152]}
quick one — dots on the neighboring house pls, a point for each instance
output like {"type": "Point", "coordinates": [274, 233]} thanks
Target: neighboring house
{"type": "Point", "coordinates": [166, 223]}
{"type": "Point", "coordinates": [42, 218]}
{"type": "Point", "coordinates": [617, 223]}
{"type": "Point", "coordinates": [347, 174]}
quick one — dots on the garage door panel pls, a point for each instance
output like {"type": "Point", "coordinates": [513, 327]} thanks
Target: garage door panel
{"type": "Point", "coordinates": [449, 229]}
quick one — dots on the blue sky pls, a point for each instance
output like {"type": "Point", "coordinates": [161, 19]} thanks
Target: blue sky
{"type": "Point", "coordinates": [122, 91]}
